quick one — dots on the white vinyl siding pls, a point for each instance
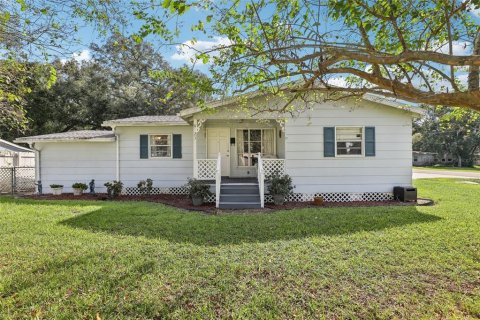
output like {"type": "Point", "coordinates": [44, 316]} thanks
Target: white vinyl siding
{"type": "Point", "coordinates": [68, 162]}
{"type": "Point", "coordinates": [166, 171]}
{"type": "Point", "coordinates": [312, 172]}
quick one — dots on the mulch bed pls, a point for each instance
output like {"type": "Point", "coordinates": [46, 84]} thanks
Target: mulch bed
{"type": "Point", "coordinates": [183, 202]}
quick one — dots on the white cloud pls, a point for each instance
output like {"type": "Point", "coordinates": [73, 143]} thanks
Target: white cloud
{"type": "Point", "coordinates": [459, 48]}
{"type": "Point", "coordinates": [80, 56]}
{"type": "Point", "coordinates": [188, 50]}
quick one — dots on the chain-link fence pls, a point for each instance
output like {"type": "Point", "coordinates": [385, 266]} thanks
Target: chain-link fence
{"type": "Point", "coordinates": [17, 180]}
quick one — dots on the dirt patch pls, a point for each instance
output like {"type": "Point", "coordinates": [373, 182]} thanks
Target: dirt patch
{"type": "Point", "coordinates": [183, 202]}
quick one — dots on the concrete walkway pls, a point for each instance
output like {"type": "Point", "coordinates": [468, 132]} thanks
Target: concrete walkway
{"type": "Point", "coordinates": [422, 174]}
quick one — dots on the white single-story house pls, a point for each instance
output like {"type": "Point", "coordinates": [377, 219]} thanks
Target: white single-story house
{"type": "Point", "coordinates": [12, 155]}
{"type": "Point", "coordinates": [346, 150]}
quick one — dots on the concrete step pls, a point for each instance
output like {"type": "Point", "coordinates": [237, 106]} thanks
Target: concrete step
{"type": "Point", "coordinates": [239, 205]}
{"type": "Point", "coordinates": [239, 190]}
{"type": "Point", "coordinates": [240, 197]}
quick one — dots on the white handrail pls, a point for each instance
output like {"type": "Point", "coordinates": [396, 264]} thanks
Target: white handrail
{"type": "Point", "coordinates": [261, 180]}
{"type": "Point", "coordinates": [218, 180]}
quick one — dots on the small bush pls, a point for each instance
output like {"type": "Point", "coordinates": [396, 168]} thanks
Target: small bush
{"type": "Point", "coordinates": [54, 186]}
{"type": "Point", "coordinates": [145, 186]}
{"type": "Point", "coordinates": [280, 184]}
{"type": "Point", "coordinates": [198, 189]}
{"type": "Point", "coordinates": [79, 185]}
{"type": "Point", "coordinates": [114, 188]}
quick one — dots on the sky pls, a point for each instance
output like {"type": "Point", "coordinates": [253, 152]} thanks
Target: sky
{"type": "Point", "coordinates": [176, 54]}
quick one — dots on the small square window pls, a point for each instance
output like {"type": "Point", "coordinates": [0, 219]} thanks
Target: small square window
{"type": "Point", "coordinates": [349, 141]}
{"type": "Point", "coordinates": [160, 146]}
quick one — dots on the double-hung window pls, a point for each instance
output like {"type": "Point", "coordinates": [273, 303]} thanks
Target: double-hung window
{"type": "Point", "coordinates": [349, 141]}
{"type": "Point", "coordinates": [251, 142]}
{"type": "Point", "coordinates": [160, 146]}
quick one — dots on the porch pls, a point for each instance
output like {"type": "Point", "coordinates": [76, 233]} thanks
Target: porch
{"type": "Point", "coordinates": [237, 155]}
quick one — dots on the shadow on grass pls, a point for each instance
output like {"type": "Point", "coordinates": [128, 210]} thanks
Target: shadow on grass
{"type": "Point", "coordinates": [161, 222]}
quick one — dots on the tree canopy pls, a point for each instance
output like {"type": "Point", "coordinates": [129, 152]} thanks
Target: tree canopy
{"type": "Point", "coordinates": [421, 51]}
{"type": "Point", "coordinates": [123, 79]}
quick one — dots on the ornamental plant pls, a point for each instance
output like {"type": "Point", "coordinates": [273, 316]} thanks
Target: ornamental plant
{"type": "Point", "coordinates": [79, 185]}
{"type": "Point", "coordinates": [145, 186]}
{"type": "Point", "coordinates": [280, 184]}
{"type": "Point", "coordinates": [114, 188]}
{"type": "Point", "coordinates": [198, 189]}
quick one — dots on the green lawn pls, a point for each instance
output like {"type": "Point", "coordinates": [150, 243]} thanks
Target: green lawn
{"type": "Point", "coordinates": [77, 260]}
{"type": "Point", "coordinates": [472, 169]}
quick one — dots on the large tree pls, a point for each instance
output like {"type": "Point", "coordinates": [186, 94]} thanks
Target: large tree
{"type": "Point", "coordinates": [407, 49]}
{"type": "Point", "coordinates": [124, 78]}
{"type": "Point", "coordinates": [31, 31]}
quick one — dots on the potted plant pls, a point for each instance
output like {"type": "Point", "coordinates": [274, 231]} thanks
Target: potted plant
{"type": "Point", "coordinates": [198, 191]}
{"type": "Point", "coordinates": [78, 188]}
{"type": "Point", "coordinates": [280, 187]}
{"type": "Point", "coordinates": [57, 189]}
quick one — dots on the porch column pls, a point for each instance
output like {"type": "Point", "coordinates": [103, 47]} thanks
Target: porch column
{"type": "Point", "coordinates": [195, 167]}
{"type": "Point", "coordinates": [197, 125]}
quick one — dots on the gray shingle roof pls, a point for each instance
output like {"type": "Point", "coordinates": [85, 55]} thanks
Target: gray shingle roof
{"type": "Point", "coordinates": [70, 135]}
{"type": "Point", "coordinates": [146, 120]}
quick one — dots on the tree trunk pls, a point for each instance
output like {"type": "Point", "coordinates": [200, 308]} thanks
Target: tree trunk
{"type": "Point", "coordinates": [474, 73]}
{"type": "Point", "coordinates": [459, 161]}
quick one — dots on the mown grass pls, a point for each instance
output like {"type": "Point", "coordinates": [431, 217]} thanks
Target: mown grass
{"type": "Point", "coordinates": [437, 167]}
{"type": "Point", "coordinates": [77, 260]}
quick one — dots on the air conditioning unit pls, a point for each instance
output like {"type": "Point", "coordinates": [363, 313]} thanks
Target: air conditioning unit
{"type": "Point", "coordinates": [405, 194]}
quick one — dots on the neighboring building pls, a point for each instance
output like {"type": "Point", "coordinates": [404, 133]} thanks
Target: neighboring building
{"type": "Point", "coordinates": [421, 158]}
{"type": "Point", "coordinates": [12, 155]}
{"type": "Point", "coordinates": [346, 150]}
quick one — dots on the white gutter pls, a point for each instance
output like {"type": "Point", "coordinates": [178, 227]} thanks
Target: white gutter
{"type": "Point", "coordinates": [117, 174]}
{"type": "Point", "coordinates": [38, 175]}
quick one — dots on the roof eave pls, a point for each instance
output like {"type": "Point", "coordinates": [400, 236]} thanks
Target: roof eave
{"type": "Point", "coordinates": [142, 124]}
{"type": "Point", "coordinates": [26, 140]}
{"type": "Point", "coordinates": [17, 146]}
{"type": "Point", "coordinates": [394, 104]}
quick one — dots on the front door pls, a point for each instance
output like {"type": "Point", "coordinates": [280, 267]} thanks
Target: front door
{"type": "Point", "coordinates": [218, 141]}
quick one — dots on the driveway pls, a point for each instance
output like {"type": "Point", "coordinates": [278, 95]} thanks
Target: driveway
{"type": "Point", "coordinates": [422, 173]}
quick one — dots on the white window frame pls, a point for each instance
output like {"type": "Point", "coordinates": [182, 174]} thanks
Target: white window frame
{"type": "Point", "coordinates": [236, 141]}
{"type": "Point", "coordinates": [362, 155]}
{"type": "Point", "coordinates": [153, 145]}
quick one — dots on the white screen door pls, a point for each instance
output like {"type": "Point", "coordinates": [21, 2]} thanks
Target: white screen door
{"type": "Point", "coordinates": [218, 140]}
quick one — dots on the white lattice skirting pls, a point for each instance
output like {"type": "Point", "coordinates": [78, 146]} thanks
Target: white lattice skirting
{"type": "Point", "coordinates": [296, 197]}
{"type": "Point", "coordinates": [337, 197]}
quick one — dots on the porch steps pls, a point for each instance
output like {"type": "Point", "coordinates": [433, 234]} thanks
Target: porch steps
{"type": "Point", "coordinates": [239, 196]}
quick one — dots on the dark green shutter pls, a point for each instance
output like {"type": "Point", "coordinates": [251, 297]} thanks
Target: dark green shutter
{"type": "Point", "coordinates": [329, 141]}
{"type": "Point", "coordinates": [177, 146]}
{"type": "Point", "coordinates": [369, 141]}
{"type": "Point", "coordinates": [144, 146]}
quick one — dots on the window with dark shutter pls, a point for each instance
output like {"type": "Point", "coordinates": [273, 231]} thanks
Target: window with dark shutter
{"type": "Point", "coordinates": [177, 146]}
{"type": "Point", "coordinates": [369, 141]}
{"type": "Point", "coordinates": [144, 146]}
{"type": "Point", "coordinates": [329, 141]}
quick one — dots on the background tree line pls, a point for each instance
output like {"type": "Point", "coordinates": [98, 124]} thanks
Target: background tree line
{"type": "Point", "coordinates": [449, 131]}
{"type": "Point", "coordinates": [123, 78]}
